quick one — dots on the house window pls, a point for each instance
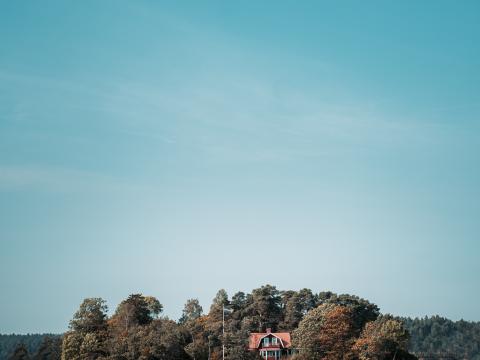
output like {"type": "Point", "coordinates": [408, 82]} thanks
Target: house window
{"type": "Point", "coordinates": [274, 341]}
{"type": "Point", "coordinates": [266, 342]}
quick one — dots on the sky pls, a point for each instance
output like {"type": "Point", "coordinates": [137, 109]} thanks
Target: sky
{"type": "Point", "coordinates": [173, 148]}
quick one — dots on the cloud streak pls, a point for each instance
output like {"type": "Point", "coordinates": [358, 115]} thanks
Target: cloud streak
{"type": "Point", "coordinates": [52, 179]}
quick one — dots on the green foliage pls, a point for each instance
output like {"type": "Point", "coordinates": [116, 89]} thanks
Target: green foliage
{"type": "Point", "coordinates": [437, 335]}
{"type": "Point", "coordinates": [137, 310]}
{"type": "Point", "coordinates": [295, 305]}
{"type": "Point", "coordinates": [160, 339]}
{"type": "Point", "coordinates": [154, 307]}
{"type": "Point", "coordinates": [237, 346]}
{"type": "Point", "coordinates": [191, 311]}
{"type": "Point", "coordinates": [382, 339]}
{"type": "Point", "coordinates": [329, 332]}
{"type": "Point", "coordinates": [32, 342]}
{"type": "Point", "coordinates": [307, 336]}
{"type": "Point", "coordinates": [50, 349]}
{"type": "Point", "coordinates": [239, 301]}
{"type": "Point", "coordinates": [91, 316]}
{"type": "Point", "coordinates": [323, 325]}
{"type": "Point", "coordinates": [133, 332]}
{"type": "Point", "coordinates": [20, 353]}
{"type": "Point", "coordinates": [72, 341]}
{"type": "Point", "coordinates": [219, 302]}
{"type": "Point", "coordinates": [363, 310]}
{"type": "Point", "coordinates": [266, 307]}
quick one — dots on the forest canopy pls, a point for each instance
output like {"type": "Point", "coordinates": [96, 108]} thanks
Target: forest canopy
{"type": "Point", "coordinates": [323, 326]}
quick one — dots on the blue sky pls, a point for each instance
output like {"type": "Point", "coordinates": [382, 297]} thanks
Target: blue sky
{"type": "Point", "coordinates": [175, 148]}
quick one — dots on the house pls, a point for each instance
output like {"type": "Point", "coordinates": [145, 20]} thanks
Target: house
{"type": "Point", "coordinates": [271, 345]}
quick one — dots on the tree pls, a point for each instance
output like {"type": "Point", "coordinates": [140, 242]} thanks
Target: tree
{"type": "Point", "coordinates": [337, 334]}
{"type": "Point", "coordinates": [161, 339]}
{"type": "Point", "coordinates": [266, 307]}
{"type": "Point", "coordinates": [79, 346]}
{"type": "Point", "coordinates": [192, 311]}
{"type": "Point", "coordinates": [50, 349]}
{"type": "Point", "coordinates": [94, 345]}
{"type": "Point", "coordinates": [136, 310]}
{"type": "Point", "coordinates": [326, 332]}
{"type": "Point", "coordinates": [363, 310]}
{"type": "Point", "coordinates": [88, 336]}
{"type": "Point", "coordinates": [236, 344]}
{"type": "Point", "coordinates": [219, 301]}
{"type": "Point", "coordinates": [437, 335]}
{"type": "Point", "coordinates": [239, 301]}
{"type": "Point", "coordinates": [20, 353]}
{"type": "Point", "coordinates": [201, 340]}
{"type": "Point", "coordinates": [154, 306]}
{"type": "Point", "coordinates": [32, 342]}
{"type": "Point", "coordinates": [72, 341]}
{"type": "Point", "coordinates": [382, 339]}
{"type": "Point", "coordinates": [91, 316]}
{"type": "Point", "coordinates": [295, 305]}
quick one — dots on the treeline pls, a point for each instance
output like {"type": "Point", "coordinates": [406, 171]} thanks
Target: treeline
{"type": "Point", "coordinates": [33, 346]}
{"type": "Point", "coordinates": [323, 326]}
{"type": "Point", "coordinates": [437, 335]}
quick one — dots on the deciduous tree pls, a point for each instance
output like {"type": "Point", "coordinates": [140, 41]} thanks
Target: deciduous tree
{"type": "Point", "coordinates": [383, 338]}
{"type": "Point", "coordinates": [88, 336]}
{"type": "Point", "coordinates": [325, 332]}
{"type": "Point", "coordinates": [91, 316]}
{"type": "Point", "coordinates": [191, 311]}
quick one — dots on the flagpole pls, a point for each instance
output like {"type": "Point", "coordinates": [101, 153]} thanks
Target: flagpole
{"type": "Point", "coordinates": [223, 332]}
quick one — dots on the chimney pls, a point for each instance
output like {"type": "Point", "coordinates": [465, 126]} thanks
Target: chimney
{"type": "Point", "coordinates": [269, 330]}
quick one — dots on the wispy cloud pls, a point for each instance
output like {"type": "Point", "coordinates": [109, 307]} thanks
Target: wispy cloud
{"type": "Point", "coordinates": [53, 179]}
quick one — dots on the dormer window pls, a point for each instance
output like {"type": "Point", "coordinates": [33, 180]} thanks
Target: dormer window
{"type": "Point", "coordinates": [274, 341]}
{"type": "Point", "coordinates": [266, 341]}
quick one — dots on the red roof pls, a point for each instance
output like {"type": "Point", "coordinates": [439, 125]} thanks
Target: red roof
{"type": "Point", "coordinates": [254, 341]}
